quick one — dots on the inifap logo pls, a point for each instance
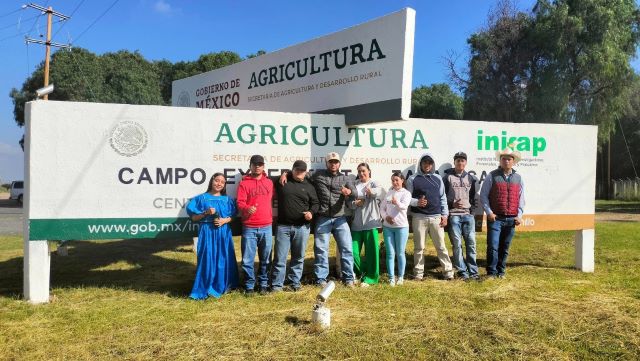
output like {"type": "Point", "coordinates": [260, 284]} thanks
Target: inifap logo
{"type": "Point", "coordinates": [522, 143]}
{"type": "Point", "coordinates": [128, 138]}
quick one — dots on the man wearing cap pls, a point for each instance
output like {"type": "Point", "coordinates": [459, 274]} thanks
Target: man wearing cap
{"type": "Point", "coordinates": [333, 189]}
{"type": "Point", "coordinates": [502, 197]}
{"type": "Point", "coordinates": [460, 188]}
{"type": "Point", "coordinates": [297, 203]}
{"type": "Point", "coordinates": [255, 192]}
{"type": "Point", "coordinates": [429, 210]}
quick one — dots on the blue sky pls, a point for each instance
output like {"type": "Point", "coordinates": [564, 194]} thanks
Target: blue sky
{"type": "Point", "coordinates": [183, 30]}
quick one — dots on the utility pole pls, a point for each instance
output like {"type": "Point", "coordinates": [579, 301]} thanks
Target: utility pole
{"type": "Point", "coordinates": [50, 13]}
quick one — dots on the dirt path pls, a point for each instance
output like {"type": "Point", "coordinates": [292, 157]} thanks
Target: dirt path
{"type": "Point", "coordinates": [617, 217]}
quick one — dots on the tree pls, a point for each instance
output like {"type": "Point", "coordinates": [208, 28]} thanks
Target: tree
{"type": "Point", "coordinates": [437, 101]}
{"type": "Point", "coordinates": [121, 77]}
{"type": "Point", "coordinates": [568, 62]}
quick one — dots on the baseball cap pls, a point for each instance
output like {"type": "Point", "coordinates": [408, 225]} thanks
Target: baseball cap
{"type": "Point", "coordinates": [299, 165]}
{"type": "Point", "coordinates": [256, 158]}
{"type": "Point", "coordinates": [333, 156]}
{"type": "Point", "coordinates": [462, 155]}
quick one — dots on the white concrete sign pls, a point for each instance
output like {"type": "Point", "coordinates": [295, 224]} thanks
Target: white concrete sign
{"type": "Point", "coordinates": [111, 171]}
{"type": "Point", "coordinates": [99, 171]}
{"type": "Point", "coordinates": [363, 72]}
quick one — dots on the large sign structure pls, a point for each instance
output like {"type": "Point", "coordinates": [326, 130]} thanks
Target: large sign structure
{"type": "Point", "coordinates": [109, 171]}
{"type": "Point", "coordinates": [363, 72]}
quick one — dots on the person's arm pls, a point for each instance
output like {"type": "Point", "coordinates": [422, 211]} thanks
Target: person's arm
{"type": "Point", "coordinates": [521, 202]}
{"type": "Point", "coordinates": [196, 210]}
{"type": "Point", "coordinates": [414, 201]}
{"type": "Point", "coordinates": [376, 190]}
{"type": "Point", "coordinates": [445, 181]}
{"type": "Point", "coordinates": [472, 194]}
{"type": "Point", "coordinates": [313, 200]}
{"type": "Point", "coordinates": [484, 195]}
{"type": "Point", "coordinates": [444, 208]}
{"type": "Point", "coordinates": [242, 199]}
{"type": "Point", "coordinates": [383, 208]}
{"type": "Point", "coordinates": [404, 201]}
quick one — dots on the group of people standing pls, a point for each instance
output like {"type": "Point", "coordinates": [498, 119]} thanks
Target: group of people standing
{"type": "Point", "coordinates": [352, 210]}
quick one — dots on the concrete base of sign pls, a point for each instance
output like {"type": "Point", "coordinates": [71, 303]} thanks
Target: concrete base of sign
{"type": "Point", "coordinates": [585, 252]}
{"type": "Point", "coordinates": [195, 245]}
{"type": "Point", "coordinates": [37, 263]}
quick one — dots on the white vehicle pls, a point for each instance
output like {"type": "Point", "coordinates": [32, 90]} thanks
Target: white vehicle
{"type": "Point", "coordinates": [16, 191]}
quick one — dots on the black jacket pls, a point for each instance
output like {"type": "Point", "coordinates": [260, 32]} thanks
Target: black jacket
{"type": "Point", "coordinates": [294, 198]}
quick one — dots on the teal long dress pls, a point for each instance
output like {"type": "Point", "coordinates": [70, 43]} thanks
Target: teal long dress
{"type": "Point", "coordinates": [217, 269]}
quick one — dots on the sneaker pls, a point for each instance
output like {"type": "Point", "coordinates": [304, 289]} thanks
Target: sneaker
{"type": "Point", "coordinates": [263, 291]}
{"type": "Point", "coordinates": [249, 292]}
{"type": "Point", "coordinates": [448, 277]}
{"type": "Point", "coordinates": [400, 281]}
{"type": "Point", "coordinates": [392, 282]}
{"type": "Point", "coordinates": [276, 289]}
{"type": "Point", "coordinates": [502, 276]}
{"type": "Point", "coordinates": [364, 284]}
{"type": "Point", "coordinates": [292, 288]}
{"type": "Point", "coordinates": [349, 284]}
{"type": "Point", "coordinates": [322, 284]}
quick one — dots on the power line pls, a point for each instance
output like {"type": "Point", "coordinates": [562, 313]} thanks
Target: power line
{"type": "Point", "coordinates": [21, 34]}
{"type": "Point", "coordinates": [70, 16]}
{"type": "Point", "coordinates": [12, 12]}
{"type": "Point", "coordinates": [96, 20]}
{"type": "Point", "coordinates": [18, 22]}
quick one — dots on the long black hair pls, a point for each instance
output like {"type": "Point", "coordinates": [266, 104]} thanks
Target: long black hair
{"type": "Point", "coordinates": [210, 186]}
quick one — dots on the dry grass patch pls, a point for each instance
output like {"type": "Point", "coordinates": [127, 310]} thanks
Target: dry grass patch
{"type": "Point", "coordinates": [127, 299]}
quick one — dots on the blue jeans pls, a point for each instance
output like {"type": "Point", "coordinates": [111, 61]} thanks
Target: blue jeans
{"type": "Point", "coordinates": [294, 237]}
{"type": "Point", "coordinates": [395, 241]}
{"type": "Point", "coordinates": [253, 238]}
{"type": "Point", "coordinates": [338, 226]}
{"type": "Point", "coordinates": [499, 236]}
{"type": "Point", "coordinates": [463, 226]}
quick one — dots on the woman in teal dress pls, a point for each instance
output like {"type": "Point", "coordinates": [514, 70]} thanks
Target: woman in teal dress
{"type": "Point", "coordinates": [217, 269]}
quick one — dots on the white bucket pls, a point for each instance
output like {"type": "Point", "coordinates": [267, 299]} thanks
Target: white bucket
{"type": "Point", "coordinates": [321, 316]}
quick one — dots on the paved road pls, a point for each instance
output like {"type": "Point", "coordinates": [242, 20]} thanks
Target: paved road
{"type": "Point", "coordinates": [10, 217]}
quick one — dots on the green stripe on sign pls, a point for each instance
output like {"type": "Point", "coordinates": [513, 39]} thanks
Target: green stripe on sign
{"type": "Point", "coordinates": [111, 228]}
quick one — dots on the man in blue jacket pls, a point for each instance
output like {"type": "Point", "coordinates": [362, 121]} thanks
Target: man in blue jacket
{"type": "Point", "coordinates": [430, 212]}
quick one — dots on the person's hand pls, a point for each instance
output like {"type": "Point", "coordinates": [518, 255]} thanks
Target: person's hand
{"type": "Point", "coordinates": [457, 203]}
{"type": "Point", "coordinates": [491, 217]}
{"type": "Point", "coordinates": [252, 209]}
{"type": "Point", "coordinates": [394, 200]}
{"type": "Point", "coordinates": [517, 221]}
{"type": "Point", "coordinates": [221, 221]}
{"type": "Point", "coordinates": [359, 202]}
{"type": "Point", "coordinates": [389, 219]}
{"type": "Point", "coordinates": [345, 191]}
{"type": "Point", "coordinates": [422, 202]}
{"type": "Point", "coordinates": [307, 215]}
{"type": "Point", "coordinates": [368, 191]}
{"type": "Point", "coordinates": [443, 221]}
{"type": "Point", "coordinates": [283, 178]}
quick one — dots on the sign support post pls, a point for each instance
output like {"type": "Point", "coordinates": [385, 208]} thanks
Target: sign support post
{"type": "Point", "coordinates": [37, 267]}
{"type": "Point", "coordinates": [585, 252]}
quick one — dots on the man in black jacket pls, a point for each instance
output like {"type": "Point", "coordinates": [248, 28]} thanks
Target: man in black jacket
{"type": "Point", "coordinates": [297, 203]}
{"type": "Point", "coordinates": [333, 189]}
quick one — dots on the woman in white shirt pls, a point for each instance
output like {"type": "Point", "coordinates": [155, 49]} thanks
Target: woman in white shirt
{"type": "Point", "coordinates": [393, 210]}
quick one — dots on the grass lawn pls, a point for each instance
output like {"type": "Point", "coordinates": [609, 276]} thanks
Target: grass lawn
{"type": "Point", "coordinates": [127, 299]}
{"type": "Point", "coordinates": [617, 206]}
